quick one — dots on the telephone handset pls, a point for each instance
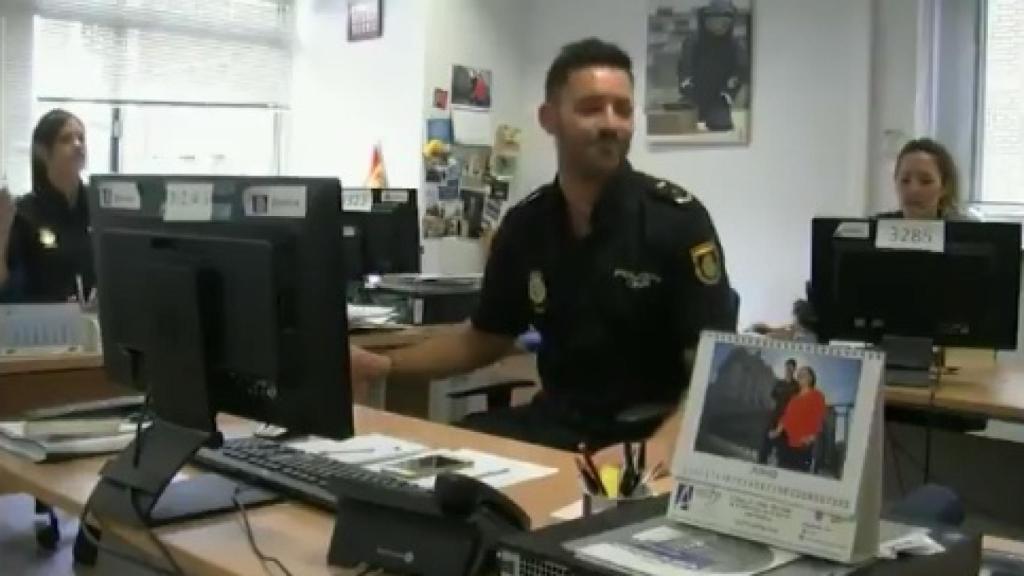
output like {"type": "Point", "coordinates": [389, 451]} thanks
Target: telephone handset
{"type": "Point", "coordinates": [402, 528]}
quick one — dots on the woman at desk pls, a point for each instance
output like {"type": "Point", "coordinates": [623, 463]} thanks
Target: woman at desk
{"type": "Point", "coordinates": [927, 187]}
{"type": "Point", "coordinates": [801, 423]}
{"type": "Point", "coordinates": [45, 251]}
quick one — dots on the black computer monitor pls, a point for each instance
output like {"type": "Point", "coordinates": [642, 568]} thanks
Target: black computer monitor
{"type": "Point", "coordinates": [965, 296]}
{"type": "Point", "coordinates": [385, 240]}
{"type": "Point", "coordinates": [238, 309]}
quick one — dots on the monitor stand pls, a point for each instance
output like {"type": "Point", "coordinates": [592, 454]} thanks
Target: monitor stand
{"type": "Point", "coordinates": [909, 361]}
{"type": "Point", "coordinates": [138, 487]}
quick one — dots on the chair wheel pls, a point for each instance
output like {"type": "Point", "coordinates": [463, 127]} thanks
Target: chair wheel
{"type": "Point", "coordinates": [47, 537]}
{"type": "Point", "coordinates": [84, 552]}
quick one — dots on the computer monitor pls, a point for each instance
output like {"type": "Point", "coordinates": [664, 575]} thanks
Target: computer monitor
{"type": "Point", "coordinates": [385, 240]}
{"type": "Point", "coordinates": [221, 295]}
{"type": "Point", "coordinates": [967, 295]}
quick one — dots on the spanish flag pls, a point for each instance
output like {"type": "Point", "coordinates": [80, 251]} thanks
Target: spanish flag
{"type": "Point", "coordinates": [378, 177]}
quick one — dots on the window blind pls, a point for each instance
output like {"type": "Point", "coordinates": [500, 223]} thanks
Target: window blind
{"type": "Point", "coordinates": [197, 51]}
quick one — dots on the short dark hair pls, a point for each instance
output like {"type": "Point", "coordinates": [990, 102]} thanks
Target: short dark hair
{"type": "Point", "coordinates": [584, 54]}
{"type": "Point", "coordinates": [791, 362]}
{"type": "Point", "coordinates": [947, 170]}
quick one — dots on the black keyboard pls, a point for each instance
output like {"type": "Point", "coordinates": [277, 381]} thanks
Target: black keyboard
{"type": "Point", "coordinates": [308, 477]}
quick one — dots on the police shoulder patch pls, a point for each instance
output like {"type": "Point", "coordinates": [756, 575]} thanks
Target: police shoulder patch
{"type": "Point", "coordinates": [707, 263]}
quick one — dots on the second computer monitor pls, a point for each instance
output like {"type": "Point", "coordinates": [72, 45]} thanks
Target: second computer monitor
{"type": "Point", "coordinates": [967, 295]}
{"type": "Point", "coordinates": [385, 239]}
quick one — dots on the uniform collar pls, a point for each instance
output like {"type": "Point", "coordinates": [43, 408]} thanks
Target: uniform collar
{"type": "Point", "coordinates": [609, 204]}
{"type": "Point", "coordinates": [54, 201]}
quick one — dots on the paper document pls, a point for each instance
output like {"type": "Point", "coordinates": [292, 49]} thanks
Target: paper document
{"type": "Point", "coordinates": [571, 512]}
{"type": "Point", "coordinates": [362, 316]}
{"type": "Point", "coordinates": [660, 547]}
{"type": "Point", "coordinates": [361, 450]}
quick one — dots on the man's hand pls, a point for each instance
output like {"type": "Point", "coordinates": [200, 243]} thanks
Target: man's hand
{"type": "Point", "coordinates": [6, 214]}
{"type": "Point", "coordinates": [366, 368]}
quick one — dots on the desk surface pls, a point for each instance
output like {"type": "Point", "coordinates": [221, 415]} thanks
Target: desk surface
{"type": "Point", "coordinates": [297, 534]}
{"type": "Point", "coordinates": [995, 391]}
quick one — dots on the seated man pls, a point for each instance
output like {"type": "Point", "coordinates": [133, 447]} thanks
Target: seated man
{"type": "Point", "coordinates": [618, 271]}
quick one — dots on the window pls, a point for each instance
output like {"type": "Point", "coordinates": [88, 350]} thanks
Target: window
{"type": "Point", "coordinates": [170, 86]}
{"type": "Point", "coordinates": [1001, 123]}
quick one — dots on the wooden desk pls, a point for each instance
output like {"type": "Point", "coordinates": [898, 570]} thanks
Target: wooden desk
{"type": "Point", "coordinates": [297, 534]}
{"type": "Point", "coordinates": [995, 391]}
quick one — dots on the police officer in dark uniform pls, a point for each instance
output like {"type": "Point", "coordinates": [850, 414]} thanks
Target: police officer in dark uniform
{"type": "Point", "coordinates": [617, 270]}
{"type": "Point", "coordinates": [45, 250]}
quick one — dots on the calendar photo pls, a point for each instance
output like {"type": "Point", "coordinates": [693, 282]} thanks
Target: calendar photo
{"type": "Point", "coordinates": [791, 420]}
{"type": "Point", "coordinates": [779, 408]}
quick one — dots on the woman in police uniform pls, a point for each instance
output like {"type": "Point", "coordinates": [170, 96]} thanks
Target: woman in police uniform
{"type": "Point", "coordinates": [927, 187]}
{"type": "Point", "coordinates": [45, 252]}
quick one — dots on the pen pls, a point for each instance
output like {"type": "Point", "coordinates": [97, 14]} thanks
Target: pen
{"type": "Point", "coordinates": [591, 468]}
{"type": "Point", "coordinates": [629, 471]}
{"type": "Point", "coordinates": [592, 484]}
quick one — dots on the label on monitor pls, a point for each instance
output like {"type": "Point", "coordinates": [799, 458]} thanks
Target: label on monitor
{"type": "Point", "coordinates": [853, 230]}
{"type": "Point", "coordinates": [275, 201]}
{"type": "Point", "coordinates": [919, 235]}
{"type": "Point", "coordinates": [394, 196]}
{"type": "Point", "coordinates": [189, 202]}
{"type": "Point", "coordinates": [357, 200]}
{"type": "Point", "coordinates": [119, 195]}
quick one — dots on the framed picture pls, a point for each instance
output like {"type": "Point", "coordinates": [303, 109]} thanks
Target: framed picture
{"type": "Point", "coordinates": [699, 79]}
{"type": "Point", "coordinates": [365, 19]}
{"type": "Point", "coordinates": [471, 87]}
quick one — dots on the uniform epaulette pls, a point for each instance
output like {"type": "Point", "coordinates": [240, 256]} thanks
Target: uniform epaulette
{"type": "Point", "coordinates": [669, 192]}
{"type": "Point", "coordinates": [532, 196]}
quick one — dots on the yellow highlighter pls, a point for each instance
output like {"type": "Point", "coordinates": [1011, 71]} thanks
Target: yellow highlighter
{"type": "Point", "coordinates": [610, 477]}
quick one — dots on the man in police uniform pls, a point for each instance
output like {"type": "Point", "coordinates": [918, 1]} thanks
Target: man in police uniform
{"type": "Point", "coordinates": [618, 271]}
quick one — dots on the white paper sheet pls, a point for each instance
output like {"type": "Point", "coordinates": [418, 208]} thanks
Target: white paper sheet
{"type": "Point", "coordinates": [365, 449]}
{"type": "Point", "coordinates": [472, 127]}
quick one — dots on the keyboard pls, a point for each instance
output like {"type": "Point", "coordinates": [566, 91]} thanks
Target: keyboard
{"type": "Point", "coordinates": [304, 476]}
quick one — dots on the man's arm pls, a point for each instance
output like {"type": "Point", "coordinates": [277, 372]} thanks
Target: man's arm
{"type": "Point", "coordinates": [6, 227]}
{"type": "Point", "coordinates": [440, 357]}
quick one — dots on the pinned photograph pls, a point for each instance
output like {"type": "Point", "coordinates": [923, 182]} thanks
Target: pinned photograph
{"type": "Point", "coordinates": [471, 87]}
{"type": "Point", "coordinates": [698, 88]}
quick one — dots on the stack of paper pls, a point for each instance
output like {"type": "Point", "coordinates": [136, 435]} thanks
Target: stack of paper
{"type": "Point", "coordinates": [71, 430]}
{"type": "Point", "coordinates": [497, 471]}
{"type": "Point", "coordinates": [364, 317]}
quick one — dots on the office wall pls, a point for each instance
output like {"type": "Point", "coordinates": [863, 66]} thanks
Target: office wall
{"type": "Point", "coordinates": [478, 33]}
{"type": "Point", "coordinates": [347, 96]}
{"type": "Point", "coordinates": [901, 104]}
{"type": "Point", "coordinates": [808, 154]}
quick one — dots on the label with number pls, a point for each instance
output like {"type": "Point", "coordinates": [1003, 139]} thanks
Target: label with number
{"type": "Point", "coordinates": [189, 202]}
{"type": "Point", "coordinates": [120, 195]}
{"type": "Point", "coordinates": [357, 200]}
{"type": "Point", "coordinates": [920, 235]}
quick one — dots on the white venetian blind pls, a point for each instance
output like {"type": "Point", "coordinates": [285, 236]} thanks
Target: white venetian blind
{"type": "Point", "coordinates": [201, 51]}
{"type": "Point", "coordinates": [1002, 145]}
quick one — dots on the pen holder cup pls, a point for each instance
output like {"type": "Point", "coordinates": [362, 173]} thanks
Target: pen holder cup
{"type": "Point", "coordinates": [597, 503]}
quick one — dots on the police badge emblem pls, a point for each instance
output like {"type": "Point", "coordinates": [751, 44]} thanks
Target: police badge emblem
{"type": "Point", "coordinates": [537, 290]}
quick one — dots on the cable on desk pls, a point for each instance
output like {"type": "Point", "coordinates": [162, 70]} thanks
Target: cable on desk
{"type": "Point", "coordinates": [263, 558]}
{"type": "Point", "coordinates": [131, 559]}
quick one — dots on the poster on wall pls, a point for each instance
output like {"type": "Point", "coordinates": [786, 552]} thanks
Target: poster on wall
{"type": "Point", "coordinates": [698, 88]}
{"type": "Point", "coordinates": [471, 87]}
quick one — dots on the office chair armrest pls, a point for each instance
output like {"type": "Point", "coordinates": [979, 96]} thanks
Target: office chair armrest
{"type": "Point", "coordinates": [498, 394]}
{"type": "Point", "coordinates": [490, 387]}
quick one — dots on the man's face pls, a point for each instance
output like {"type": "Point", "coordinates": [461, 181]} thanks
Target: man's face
{"type": "Point", "coordinates": [719, 25]}
{"type": "Point", "coordinates": [592, 120]}
{"type": "Point", "coordinates": [790, 370]}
